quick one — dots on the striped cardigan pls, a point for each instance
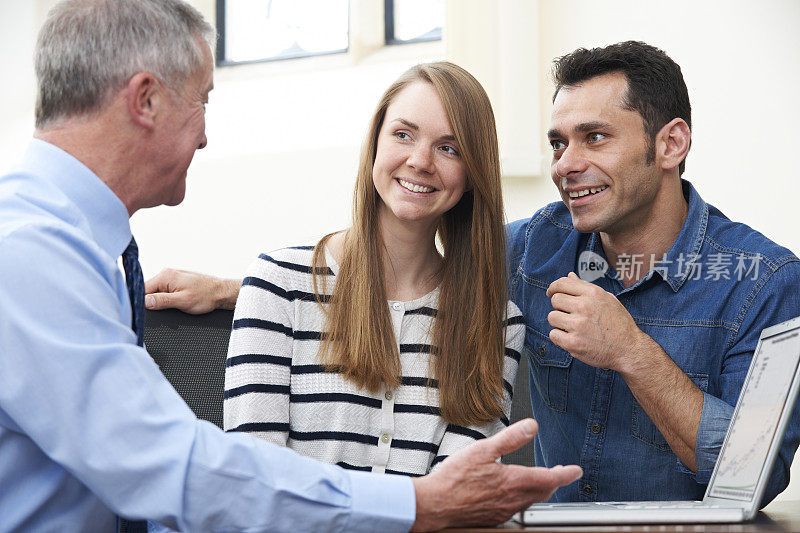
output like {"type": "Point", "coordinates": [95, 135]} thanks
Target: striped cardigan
{"type": "Point", "coordinates": [276, 389]}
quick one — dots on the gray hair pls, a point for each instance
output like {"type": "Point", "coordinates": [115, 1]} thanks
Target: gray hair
{"type": "Point", "coordinates": [89, 49]}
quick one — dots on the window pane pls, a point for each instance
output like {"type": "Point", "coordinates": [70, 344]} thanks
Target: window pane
{"type": "Point", "coordinates": [418, 20]}
{"type": "Point", "coordinates": [276, 29]}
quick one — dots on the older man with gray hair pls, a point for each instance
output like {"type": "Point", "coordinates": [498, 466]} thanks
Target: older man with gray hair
{"type": "Point", "coordinates": [89, 428]}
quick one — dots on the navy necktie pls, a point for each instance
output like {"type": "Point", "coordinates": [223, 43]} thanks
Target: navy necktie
{"type": "Point", "coordinates": [135, 282]}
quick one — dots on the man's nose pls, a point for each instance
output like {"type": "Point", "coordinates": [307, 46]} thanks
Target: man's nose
{"type": "Point", "coordinates": [572, 161]}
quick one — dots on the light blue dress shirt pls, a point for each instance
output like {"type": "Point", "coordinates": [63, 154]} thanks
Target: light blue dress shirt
{"type": "Point", "coordinates": [89, 428]}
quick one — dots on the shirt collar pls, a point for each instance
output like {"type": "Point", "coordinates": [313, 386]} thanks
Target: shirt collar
{"type": "Point", "coordinates": [105, 213]}
{"type": "Point", "coordinates": [676, 265]}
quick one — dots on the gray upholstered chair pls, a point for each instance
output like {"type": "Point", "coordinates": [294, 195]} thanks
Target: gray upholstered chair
{"type": "Point", "coordinates": [191, 352]}
{"type": "Point", "coordinates": [521, 408]}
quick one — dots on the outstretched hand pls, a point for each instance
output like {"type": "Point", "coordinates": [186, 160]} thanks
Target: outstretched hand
{"type": "Point", "coordinates": [190, 292]}
{"type": "Point", "coordinates": [471, 488]}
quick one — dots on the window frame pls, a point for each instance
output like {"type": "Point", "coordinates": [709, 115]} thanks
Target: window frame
{"type": "Point", "coordinates": [222, 61]}
{"type": "Point", "coordinates": [388, 25]}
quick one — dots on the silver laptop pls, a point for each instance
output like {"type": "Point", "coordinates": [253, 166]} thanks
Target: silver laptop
{"type": "Point", "coordinates": [744, 463]}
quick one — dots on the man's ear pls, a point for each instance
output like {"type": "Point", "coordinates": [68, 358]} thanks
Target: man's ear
{"type": "Point", "coordinates": [144, 94]}
{"type": "Point", "coordinates": [672, 143]}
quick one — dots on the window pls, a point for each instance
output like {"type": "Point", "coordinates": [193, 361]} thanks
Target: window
{"type": "Point", "coordinates": [267, 30]}
{"type": "Point", "coordinates": [411, 21]}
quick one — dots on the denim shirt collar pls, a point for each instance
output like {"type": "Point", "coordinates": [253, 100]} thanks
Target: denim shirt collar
{"type": "Point", "coordinates": [676, 266]}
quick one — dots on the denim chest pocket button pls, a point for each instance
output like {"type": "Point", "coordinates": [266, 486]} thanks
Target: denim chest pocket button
{"type": "Point", "coordinates": [645, 430]}
{"type": "Point", "coordinates": [549, 367]}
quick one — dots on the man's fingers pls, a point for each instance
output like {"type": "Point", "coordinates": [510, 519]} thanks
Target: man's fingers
{"type": "Point", "coordinates": [560, 338]}
{"type": "Point", "coordinates": [537, 478]}
{"type": "Point", "coordinates": [161, 300]}
{"type": "Point", "coordinates": [565, 302]}
{"type": "Point", "coordinates": [564, 475]}
{"type": "Point", "coordinates": [160, 282]}
{"type": "Point", "coordinates": [560, 320]}
{"type": "Point", "coordinates": [541, 483]}
{"type": "Point", "coordinates": [154, 284]}
{"type": "Point", "coordinates": [511, 438]}
{"type": "Point", "coordinates": [567, 285]}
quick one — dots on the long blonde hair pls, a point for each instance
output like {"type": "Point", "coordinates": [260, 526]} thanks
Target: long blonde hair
{"type": "Point", "coordinates": [468, 332]}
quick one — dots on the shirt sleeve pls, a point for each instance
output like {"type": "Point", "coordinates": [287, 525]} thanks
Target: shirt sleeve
{"type": "Point", "coordinates": [516, 235]}
{"type": "Point", "coordinates": [457, 437]}
{"type": "Point", "coordinates": [777, 300]}
{"type": "Point", "coordinates": [258, 368]}
{"type": "Point", "coordinates": [714, 421]}
{"type": "Point", "coordinates": [97, 406]}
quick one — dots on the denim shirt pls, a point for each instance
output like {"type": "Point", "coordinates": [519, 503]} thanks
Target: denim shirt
{"type": "Point", "coordinates": [705, 303]}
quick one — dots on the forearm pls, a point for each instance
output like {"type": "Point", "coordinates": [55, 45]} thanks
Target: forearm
{"type": "Point", "coordinates": [253, 485]}
{"type": "Point", "coordinates": [667, 395]}
{"type": "Point", "coordinates": [226, 292]}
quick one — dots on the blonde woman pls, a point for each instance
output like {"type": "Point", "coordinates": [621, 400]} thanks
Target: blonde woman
{"type": "Point", "coordinates": [372, 350]}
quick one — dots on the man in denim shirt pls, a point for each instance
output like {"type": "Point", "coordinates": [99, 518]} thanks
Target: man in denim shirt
{"type": "Point", "coordinates": [637, 362]}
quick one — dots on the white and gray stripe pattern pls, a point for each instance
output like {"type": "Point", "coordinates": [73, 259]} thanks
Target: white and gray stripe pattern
{"type": "Point", "coordinates": [276, 389]}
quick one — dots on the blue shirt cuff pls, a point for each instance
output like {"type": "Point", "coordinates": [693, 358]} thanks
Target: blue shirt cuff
{"type": "Point", "coordinates": [381, 502]}
{"type": "Point", "coordinates": [714, 422]}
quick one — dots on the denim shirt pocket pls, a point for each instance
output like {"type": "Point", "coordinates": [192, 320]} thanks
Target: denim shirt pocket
{"type": "Point", "coordinates": [645, 430]}
{"type": "Point", "coordinates": [549, 366]}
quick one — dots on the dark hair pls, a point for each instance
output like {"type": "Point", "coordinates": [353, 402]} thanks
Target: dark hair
{"type": "Point", "coordinates": [656, 89]}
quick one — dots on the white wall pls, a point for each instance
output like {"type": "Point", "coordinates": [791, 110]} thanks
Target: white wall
{"type": "Point", "coordinates": [18, 25]}
{"type": "Point", "coordinates": [284, 137]}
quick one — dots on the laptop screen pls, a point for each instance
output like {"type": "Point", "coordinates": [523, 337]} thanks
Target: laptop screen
{"type": "Point", "coordinates": [757, 417]}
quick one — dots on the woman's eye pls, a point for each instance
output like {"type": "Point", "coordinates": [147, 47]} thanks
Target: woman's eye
{"type": "Point", "coordinates": [449, 150]}
{"type": "Point", "coordinates": [403, 136]}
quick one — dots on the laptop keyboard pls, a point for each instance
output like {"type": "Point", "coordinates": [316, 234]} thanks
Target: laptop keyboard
{"type": "Point", "coordinates": [659, 505]}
